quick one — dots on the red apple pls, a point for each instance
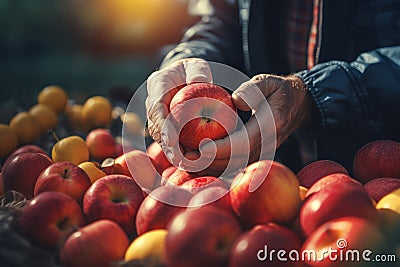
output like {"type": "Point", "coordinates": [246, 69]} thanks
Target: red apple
{"type": "Point", "coordinates": [115, 197]}
{"type": "Point", "coordinates": [49, 218]}
{"type": "Point", "coordinates": [379, 187]}
{"type": "Point", "coordinates": [159, 207]}
{"type": "Point", "coordinates": [318, 169]}
{"type": "Point", "coordinates": [21, 171]}
{"type": "Point", "coordinates": [136, 164]}
{"type": "Point", "coordinates": [202, 110]}
{"type": "Point", "coordinates": [379, 158]}
{"type": "Point", "coordinates": [101, 144]}
{"type": "Point", "coordinates": [215, 196]}
{"type": "Point", "coordinates": [27, 149]}
{"type": "Point", "coordinates": [99, 244]}
{"type": "Point", "coordinates": [201, 237]}
{"type": "Point", "coordinates": [200, 183]}
{"type": "Point", "coordinates": [177, 177]}
{"type": "Point", "coordinates": [253, 247]}
{"type": "Point", "coordinates": [267, 191]}
{"type": "Point", "coordinates": [332, 180]}
{"type": "Point", "coordinates": [340, 242]}
{"type": "Point", "coordinates": [335, 201]}
{"type": "Point", "coordinates": [156, 153]}
{"type": "Point", "coordinates": [64, 177]}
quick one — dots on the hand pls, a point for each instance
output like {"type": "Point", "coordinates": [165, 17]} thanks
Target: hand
{"type": "Point", "coordinates": [283, 101]}
{"type": "Point", "coordinates": [162, 85]}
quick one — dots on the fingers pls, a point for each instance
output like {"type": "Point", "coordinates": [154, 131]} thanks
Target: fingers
{"type": "Point", "coordinates": [162, 85]}
{"type": "Point", "coordinates": [197, 70]}
{"type": "Point", "coordinates": [252, 93]}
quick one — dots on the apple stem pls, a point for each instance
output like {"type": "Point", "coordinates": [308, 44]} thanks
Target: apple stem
{"type": "Point", "coordinates": [54, 135]}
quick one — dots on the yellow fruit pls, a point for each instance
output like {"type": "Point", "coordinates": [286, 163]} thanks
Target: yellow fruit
{"type": "Point", "coordinates": [97, 111]}
{"type": "Point", "coordinates": [133, 124]}
{"type": "Point", "coordinates": [8, 140]}
{"type": "Point", "coordinates": [391, 201]}
{"type": "Point", "coordinates": [74, 116]}
{"type": "Point", "coordinates": [303, 192]}
{"type": "Point", "coordinates": [53, 96]}
{"type": "Point", "coordinates": [92, 171]}
{"type": "Point", "coordinates": [72, 148]}
{"type": "Point", "coordinates": [26, 127]}
{"type": "Point", "coordinates": [45, 116]}
{"type": "Point", "coordinates": [150, 246]}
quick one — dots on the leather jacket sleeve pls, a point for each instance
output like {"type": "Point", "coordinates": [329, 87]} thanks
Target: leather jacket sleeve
{"type": "Point", "coordinates": [363, 94]}
{"type": "Point", "coordinates": [216, 37]}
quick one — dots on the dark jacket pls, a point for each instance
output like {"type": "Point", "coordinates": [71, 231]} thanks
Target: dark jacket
{"type": "Point", "coordinates": [355, 83]}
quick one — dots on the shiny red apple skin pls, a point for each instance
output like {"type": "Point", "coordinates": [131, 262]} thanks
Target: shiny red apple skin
{"type": "Point", "coordinates": [379, 187]}
{"type": "Point", "coordinates": [379, 158]}
{"type": "Point", "coordinates": [314, 171]}
{"type": "Point", "coordinates": [21, 171]}
{"type": "Point", "coordinates": [64, 177]}
{"type": "Point", "coordinates": [197, 184]}
{"type": "Point", "coordinates": [332, 180]}
{"type": "Point", "coordinates": [335, 201]}
{"type": "Point", "coordinates": [49, 218]}
{"type": "Point", "coordinates": [155, 152]}
{"type": "Point", "coordinates": [138, 165]}
{"type": "Point", "coordinates": [27, 149]}
{"type": "Point", "coordinates": [201, 237]}
{"type": "Point", "coordinates": [98, 244]}
{"type": "Point", "coordinates": [101, 144]}
{"type": "Point", "coordinates": [210, 118]}
{"type": "Point", "coordinates": [154, 213]}
{"type": "Point", "coordinates": [246, 248]}
{"type": "Point", "coordinates": [215, 196]}
{"type": "Point", "coordinates": [114, 197]}
{"type": "Point", "coordinates": [267, 191]}
{"type": "Point", "coordinates": [176, 176]}
{"type": "Point", "coordinates": [342, 234]}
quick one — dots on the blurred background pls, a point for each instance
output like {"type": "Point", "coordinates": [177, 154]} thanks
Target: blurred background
{"type": "Point", "coordinates": [88, 47]}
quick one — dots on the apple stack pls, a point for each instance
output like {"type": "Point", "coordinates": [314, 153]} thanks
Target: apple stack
{"type": "Point", "coordinates": [137, 208]}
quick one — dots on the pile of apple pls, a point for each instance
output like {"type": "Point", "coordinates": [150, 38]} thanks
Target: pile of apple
{"type": "Point", "coordinates": [136, 207]}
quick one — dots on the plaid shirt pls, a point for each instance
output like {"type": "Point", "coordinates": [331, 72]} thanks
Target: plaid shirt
{"type": "Point", "coordinates": [301, 33]}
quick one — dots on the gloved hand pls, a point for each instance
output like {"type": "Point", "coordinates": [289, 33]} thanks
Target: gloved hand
{"type": "Point", "coordinates": [289, 104]}
{"type": "Point", "coordinates": [162, 85]}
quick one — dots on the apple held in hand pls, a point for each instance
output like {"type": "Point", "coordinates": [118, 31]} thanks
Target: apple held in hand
{"type": "Point", "coordinates": [159, 207]}
{"type": "Point", "coordinates": [98, 244]}
{"type": "Point", "coordinates": [49, 218]}
{"type": "Point", "coordinates": [21, 171]}
{"type": "Point", "coordinates": [64, 177]}
{"type": "Point", "coordinates": [259, 246]}
{"type": "Point", "coordinates": [335, 201]}
{"type": "Point", "coordinates": [334, 238]}
{"type": "Point", "coordinates": [267, 191]}
{"type": "Point", "coordinates": [316, 170]}
{"type": "Point", "coordinates": [101, 144]}
{"type": "Point", "coordinates": [202, 110]}
{"type": "Point", "coordinates": [115, 197]}
{"type": "Point", "coordinates": [201, 237]}
{"type": "Point", "coordinates": [379, 158]}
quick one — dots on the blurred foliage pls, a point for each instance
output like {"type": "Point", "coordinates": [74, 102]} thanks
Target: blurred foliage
{"type": "Point", "coordinates": [86, 46]}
